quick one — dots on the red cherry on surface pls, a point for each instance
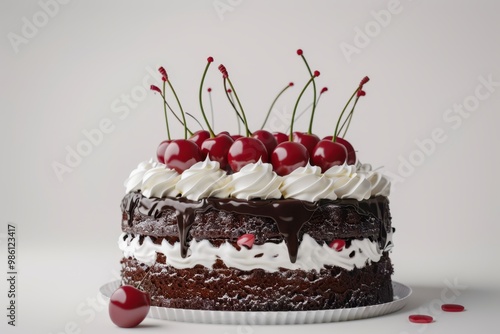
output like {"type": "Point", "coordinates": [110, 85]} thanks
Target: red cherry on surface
{"type": "Point", "coordinates": [267, 139]}
{"type": "Point", "coordinates": [217, 149]}
{"type": "Point", "coordinates": [280, 137]}
{"type": "Point", "coordinates": [351, 154]}
{"type": "Point", "coordinates": [328, 153]}
{"type": "Point", "coordinates": [160, 151]}
{"type": "Point", "coordinates": [128, 306]}
{"type": "Point", "coordinates": [306, 139]}
{"type": "Point", "coordinates": [199, 137]}
{"type": "Point", "coordinates": [288, 156]}
{"type": "Point", "coordinates": [244, 151]}
{"type": "Point", "coordinates": [337, 244]}
{"type": "Point", "coordinates": [182, 154]}
{"type": "Point", "coordinates": [236, 137]}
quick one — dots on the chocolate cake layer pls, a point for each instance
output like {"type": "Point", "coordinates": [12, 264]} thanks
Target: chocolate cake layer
{"type": "Point", "coordinates": [178, 219]}
{"type": "Point", "coordinates": [229, 289]}
{"type": "Point", "coordinates": [220, 221]}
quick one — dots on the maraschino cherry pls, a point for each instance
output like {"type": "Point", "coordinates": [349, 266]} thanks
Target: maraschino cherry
{"type": "Point", "coordinates": [288, 156]}
{"type": "Point", "coordinates": [244, 151]}
{"type": "Point", "coordinates": [332, 152]}
{"type": "Point", "coordinates": [280, 137]}
{"type": "Point", "coordinates": [351, 153]}
{"type": "Point", "coordinates": [199, 137]}
{"type": "Point", "coordinates": [217, 149]}
{"type": "Point", "coordinates": [181, 154]}
{"type": "Point", "coordinates": [327, 154]}
{"type": "Point", "coordinates": [306, 139]}
{"type": "Point", "coordinates": [160, 151]}
{"type": "Point", "coordinates": [291, 155]}
{"type": "Point", "coordinates": [128, 306]}
{"type": "Point", "coordinates": [267, 139]}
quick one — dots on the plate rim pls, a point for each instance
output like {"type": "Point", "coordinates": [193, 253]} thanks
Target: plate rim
{"type": "Point", "coordinates": [401, 294]}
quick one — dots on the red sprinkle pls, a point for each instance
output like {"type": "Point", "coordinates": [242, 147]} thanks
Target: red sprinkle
{"type": "Point", "coordinates": [316, 73]}
{"type": "Point", "coordinates": [246, 240]}
{"type": "Point", "coordinates": [209, 89]}
{"type": "Point", "coordinates": [337, 244]}
{"type": "Point", "coordinates": [324, 89]}
{"type": "Point", "coordinates": [299, 52]}
{"type": "Point", "coordinates": [452, 308]}
{"type": "Point", "coordinates": [361, 92]}
{"type": "Point", "coordinates": [420, 319]}
{"type": "Point", "coordinates": [290, 84]}
{"type": "Point", "coordinates": [229, 90]}
{"type": "Point", "coordinates": [210, 59]}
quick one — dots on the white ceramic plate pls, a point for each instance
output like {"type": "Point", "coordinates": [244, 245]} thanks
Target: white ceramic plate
{"type": "Point", "coordinates": [401, 294]}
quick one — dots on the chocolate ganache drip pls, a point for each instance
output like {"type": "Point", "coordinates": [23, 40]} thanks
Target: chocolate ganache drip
{"type": "Point", "coordinates": [290, 215]}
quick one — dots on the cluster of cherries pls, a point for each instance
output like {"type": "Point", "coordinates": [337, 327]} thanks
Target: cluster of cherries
{"type": "Point", "coordinates": [286, 152]}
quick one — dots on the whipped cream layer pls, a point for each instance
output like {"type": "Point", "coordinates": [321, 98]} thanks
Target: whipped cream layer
{"type": "Point", "coordinates": [258, 181]}
{"type": "Point", "coordinates": [268, 256]}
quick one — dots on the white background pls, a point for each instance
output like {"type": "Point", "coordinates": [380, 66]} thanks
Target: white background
{"type": "Point", "coordinates": [66, 67]}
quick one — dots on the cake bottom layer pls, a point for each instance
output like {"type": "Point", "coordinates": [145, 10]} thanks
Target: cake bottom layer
{"type": "Point", "coordinates": [229, 289]}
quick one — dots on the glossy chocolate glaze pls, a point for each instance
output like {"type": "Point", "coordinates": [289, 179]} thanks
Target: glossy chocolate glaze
{"type": "Point", "coordinates": [288, 214]}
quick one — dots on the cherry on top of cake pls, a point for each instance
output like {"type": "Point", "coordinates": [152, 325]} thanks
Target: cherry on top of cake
{"type": "Point", "coordinates": [285, 152]}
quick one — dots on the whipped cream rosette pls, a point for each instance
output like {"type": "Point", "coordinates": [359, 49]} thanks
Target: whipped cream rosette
{"type": "Point", "coordinates": [255, 180]}
{"type": "Point", "coordinates": [308, 184]}
{"type": "Point", "coordinates": [203, 179]}
{"type": "Point", "coordinates": [134, 181]}
{"type": "Point", "coordinates": [380, 184]}
{"type": "Point", "coordinates": [160, 182]}
{"type": "Point", "coordinates": [347, 183]}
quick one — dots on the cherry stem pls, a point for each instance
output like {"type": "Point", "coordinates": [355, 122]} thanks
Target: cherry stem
{"type": "Point", "coordinates": [305, 110]}
{"type": "Point", "coordinates": [180, 107]}
{"type": "Point", "coordinates": [201, 125]}
{"type": "Point", "coordinates": [349, 118]}
{"type": "Point", "coordinates": [309, 131]}
{"type": "Point", "coordinates": [211, 108]}
{"type": "Point", "coordinates": [272, 105]}
{"type": "Point", "coordinates": [239, 119]}
{"type": "Point", "coordinates": [248, 132]}
{"type": "Point", "coordinates": [165, 104]}
{"type": "Point", "coordinates": [173, 112]}
{"type": "Point", "coordinates": [335, 134]}
{"type": "Point", "coordinates": [297, 104]}
{"type": "Point", "coordinates": [212, 134]}
{"type": "Point", "coordinates": [231, 100]}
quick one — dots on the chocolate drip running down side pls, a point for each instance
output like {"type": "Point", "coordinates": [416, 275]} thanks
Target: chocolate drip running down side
{"type": "Point", "coordinates": [290, 215]}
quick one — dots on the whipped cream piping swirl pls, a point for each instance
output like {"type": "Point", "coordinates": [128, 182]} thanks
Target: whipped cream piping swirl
{"type": "Point", "coordinates": [308, 184]}
{"type": "Point", "coordinates": [134, 181]}
{"type": "Point", "coordinates": [160, 182]}
{"type": "Point", "coordinates": [258, 180]}
{"type": "Point", "coordinates": [348, 183]}
{"type": "Point", "coordinates": [380, 184]}
{"type": "Point", "coordinates": [255, 180]}
{"type": "Point", "coordinates": [203, 179]}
